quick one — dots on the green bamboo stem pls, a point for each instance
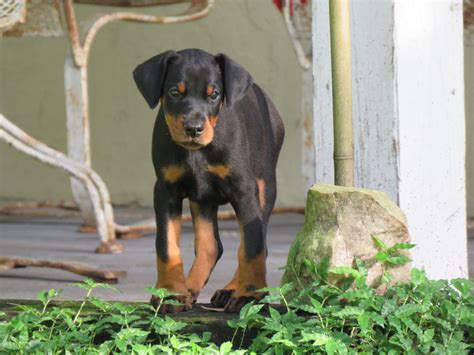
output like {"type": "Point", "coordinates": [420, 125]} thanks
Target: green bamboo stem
{"type": "Point", "coordinates": [342, 91]}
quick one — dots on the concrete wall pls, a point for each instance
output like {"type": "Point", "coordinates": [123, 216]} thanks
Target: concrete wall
{"type": "Point", "coordinates": [32, 96]}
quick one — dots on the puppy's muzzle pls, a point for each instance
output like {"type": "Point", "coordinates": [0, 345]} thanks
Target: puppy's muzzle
{"type": "Point", "coordinates": [194, 124]}
{"type": "Point", "coordinates": [193, 129]}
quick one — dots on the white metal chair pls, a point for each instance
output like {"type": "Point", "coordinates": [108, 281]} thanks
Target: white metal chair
{"type": "Point", "coordinates": [89, 191]}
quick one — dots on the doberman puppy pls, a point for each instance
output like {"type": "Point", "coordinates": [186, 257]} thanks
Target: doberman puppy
{"type": "Point", "coordinates": [216, 140]}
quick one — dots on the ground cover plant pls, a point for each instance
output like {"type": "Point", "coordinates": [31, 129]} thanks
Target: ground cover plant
{"type": "Point", "coordinates": [417, 317]}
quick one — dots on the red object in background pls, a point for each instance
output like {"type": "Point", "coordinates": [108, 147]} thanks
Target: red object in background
{"type": "Point", "coordinates": [279, 4]}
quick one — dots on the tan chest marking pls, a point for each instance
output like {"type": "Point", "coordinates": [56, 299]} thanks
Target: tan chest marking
{"type": "Point", "coordinates": [173, 173]}
{"type": "Point", "coordinates": [222, 171]}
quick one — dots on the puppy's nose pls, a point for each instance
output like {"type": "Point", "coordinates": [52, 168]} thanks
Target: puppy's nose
{"type": "Point", "coordinates": [194, 129]}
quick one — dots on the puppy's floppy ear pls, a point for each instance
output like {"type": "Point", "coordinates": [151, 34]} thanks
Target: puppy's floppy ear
{"type": "Point", "coordinates": [236, 79]}
{"type": "Point", "coordinates": [150, 75]}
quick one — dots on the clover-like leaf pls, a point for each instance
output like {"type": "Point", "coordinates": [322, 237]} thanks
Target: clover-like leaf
{"type": "Point", "coordinates": [379, 243]}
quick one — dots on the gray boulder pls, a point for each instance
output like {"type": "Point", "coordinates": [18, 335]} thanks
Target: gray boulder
{"type": "Point", "coordinates": [339, 225]}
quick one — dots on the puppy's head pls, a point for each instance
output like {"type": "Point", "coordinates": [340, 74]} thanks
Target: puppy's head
{"type": "Point", "coordinates": [192, 85]}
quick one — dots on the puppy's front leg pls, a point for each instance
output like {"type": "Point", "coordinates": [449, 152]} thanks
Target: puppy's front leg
{"type": "Point", "coordinates": [168, 210]}
{"type": "Point", "coordinates": [207, 246]}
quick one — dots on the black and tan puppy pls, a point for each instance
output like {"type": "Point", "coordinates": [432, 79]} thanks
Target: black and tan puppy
{"type": "Point", "coordinates": [216, 140]}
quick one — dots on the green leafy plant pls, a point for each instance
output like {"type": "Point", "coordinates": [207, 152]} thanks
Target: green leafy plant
{"type": "Point", "coordinates": [421, 316]}
{"type": "Point", "coordinates": [418, 317]}
{"type": "Point", "coordinates": [95, 326]}
{"type": "Point", "coordinates": [390, 256]}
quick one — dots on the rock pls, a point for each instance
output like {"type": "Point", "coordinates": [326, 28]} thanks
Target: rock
{"type": "Point", "coordinates": [339, 225]}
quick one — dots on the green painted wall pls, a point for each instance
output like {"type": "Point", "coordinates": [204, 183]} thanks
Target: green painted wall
{"type": "Point", "coordinates": [32, 96]}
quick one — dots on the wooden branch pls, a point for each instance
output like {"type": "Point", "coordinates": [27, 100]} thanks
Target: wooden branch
{"type": "Point", "coordinates": [111, 276]}
{"type": "Point", "coordinates": [14, 207]}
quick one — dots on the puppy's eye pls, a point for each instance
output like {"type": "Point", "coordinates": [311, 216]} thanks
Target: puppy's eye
{"type": "Point", "coordinates": [215, 95]}
{"type": "Point", "coordinates": [174, 92]}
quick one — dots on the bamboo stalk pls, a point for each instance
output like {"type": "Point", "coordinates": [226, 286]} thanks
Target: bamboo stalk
{"type": "Point", "coordinates": [342, 91]}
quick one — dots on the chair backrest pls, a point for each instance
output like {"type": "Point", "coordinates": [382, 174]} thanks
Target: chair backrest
{"type": "Point", "coordinates": [43, 17]}
{"type": "Point", "coordinates": [130, 3]}
{"type": "Point", "coordinates": [40, 18]}
{"type": "Point", "coordinates": [11, 13]}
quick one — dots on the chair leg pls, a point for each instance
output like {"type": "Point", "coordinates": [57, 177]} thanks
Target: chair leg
{"type": "Point", "coordinates": [91, 182]}
{"type": "Point", "coordinates": [78, 134]}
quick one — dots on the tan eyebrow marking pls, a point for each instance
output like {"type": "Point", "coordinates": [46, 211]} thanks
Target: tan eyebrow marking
{"type": "Point", "coordinates": [210, 90]}
{"type": "Point", "coordinates": [181, 88]}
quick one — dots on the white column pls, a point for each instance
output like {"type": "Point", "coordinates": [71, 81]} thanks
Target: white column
{"type": "Point", "coordinates": [429, 86]}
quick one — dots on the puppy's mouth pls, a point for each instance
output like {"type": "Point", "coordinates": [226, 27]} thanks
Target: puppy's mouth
{"type": "Point", "coordinates": [192, 144]}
